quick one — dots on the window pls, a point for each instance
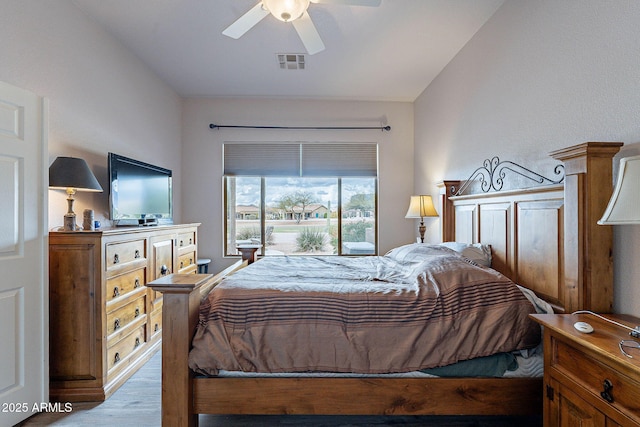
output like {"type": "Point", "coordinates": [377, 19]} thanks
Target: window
{"type": "Point", "coordinates": [301, 199]}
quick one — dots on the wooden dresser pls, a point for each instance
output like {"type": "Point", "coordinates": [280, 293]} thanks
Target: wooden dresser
{"type": "Point", "coordinates": [587, 379]}
{"type": "Point", "coordinates": [104, 322]}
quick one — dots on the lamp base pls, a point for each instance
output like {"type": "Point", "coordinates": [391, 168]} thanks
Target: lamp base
{"type": "Point", "coordinates": [70, 216]}
{"type": "Point", "coordinates": [422, 229]}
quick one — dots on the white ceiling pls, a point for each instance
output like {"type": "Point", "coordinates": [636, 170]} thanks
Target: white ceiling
{"type": "Point", "coordinates": [390, 53]}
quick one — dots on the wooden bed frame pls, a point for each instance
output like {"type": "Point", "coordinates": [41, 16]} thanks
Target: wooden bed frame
{"type": "Point", "coordinates": [544, 238]}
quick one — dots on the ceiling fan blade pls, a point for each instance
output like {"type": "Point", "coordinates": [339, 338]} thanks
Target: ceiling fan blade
{"type": "Point", "coordinates": [308, 34]}
{"type": "Point", "coordinates": [246, 21]}
{"type": "Point", "coordinates": [373, 3]}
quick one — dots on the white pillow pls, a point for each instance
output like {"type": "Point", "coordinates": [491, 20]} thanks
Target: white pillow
{"type": "Point", "coordinates": [476, 252]}
{"type": "Point", "coordinates": [415, 252]}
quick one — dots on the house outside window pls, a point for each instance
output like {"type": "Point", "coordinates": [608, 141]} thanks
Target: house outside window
{"type": "Point", "coordinates": [301, 198]}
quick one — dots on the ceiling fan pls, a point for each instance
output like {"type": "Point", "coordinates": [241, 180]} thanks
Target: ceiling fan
{"type": "Point", "coordinates": [294, 11]}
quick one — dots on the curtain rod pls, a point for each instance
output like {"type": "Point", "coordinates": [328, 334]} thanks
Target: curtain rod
{"type": "Point", "coordinates": [381, 128]}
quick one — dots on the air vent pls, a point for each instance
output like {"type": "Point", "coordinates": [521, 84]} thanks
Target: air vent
{"type": "Point", "coordinates": [291, 61]}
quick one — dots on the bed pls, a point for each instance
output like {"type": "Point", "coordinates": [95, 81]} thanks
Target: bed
{"type": "Point", "coordinates": [543, 238]}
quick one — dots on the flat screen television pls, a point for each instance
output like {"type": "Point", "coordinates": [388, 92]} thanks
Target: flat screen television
{"type": "Point", "coordinates": [139, 193]}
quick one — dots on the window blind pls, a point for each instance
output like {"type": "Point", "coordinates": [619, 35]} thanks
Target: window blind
{"type": "Point", "coordinates": [263, 159]}
{"type": "Point", "coordinates": [327, 159]}
{"type": "Point", "coordinates": [301, 159]}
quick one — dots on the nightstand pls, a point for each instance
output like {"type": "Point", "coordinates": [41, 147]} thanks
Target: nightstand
{"type": "Point", "coordinates": [587, 379]}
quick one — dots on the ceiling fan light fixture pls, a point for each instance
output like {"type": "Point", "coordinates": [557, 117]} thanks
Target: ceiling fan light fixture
{"type": "Point", "coordinates": [286, 10]}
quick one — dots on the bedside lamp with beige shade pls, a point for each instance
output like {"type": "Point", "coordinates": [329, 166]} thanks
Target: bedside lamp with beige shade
{"type": "Point", "coordinates": [71, 174]}
{"type": "Point", "coordinates": [420, 207]}
{"type": "Point", "coordinates": [623, 209]}
{"type": "Point", "coordinates": [624, 205]}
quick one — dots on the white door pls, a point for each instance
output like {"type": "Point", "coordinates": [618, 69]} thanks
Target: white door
{"type": "Point", "coordinates": [24, 306]}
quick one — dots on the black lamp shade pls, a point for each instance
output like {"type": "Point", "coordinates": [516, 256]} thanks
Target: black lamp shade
{"type": "Point", "coordinates": [71, 172]}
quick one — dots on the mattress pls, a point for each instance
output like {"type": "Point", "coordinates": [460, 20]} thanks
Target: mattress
{"type": "Point", "coordinates": [528, 367]}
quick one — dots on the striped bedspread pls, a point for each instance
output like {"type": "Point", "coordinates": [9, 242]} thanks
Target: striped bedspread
{"type": "Point", "coordinates": [366, 315]}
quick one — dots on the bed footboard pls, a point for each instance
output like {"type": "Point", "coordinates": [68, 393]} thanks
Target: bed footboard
{"type": "Point", "coordinates": [182, 294]}
{"type": "Point", "coordinates": [369, 396]}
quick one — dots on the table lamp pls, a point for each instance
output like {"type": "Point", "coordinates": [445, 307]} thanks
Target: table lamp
{"type": "Point", "coordinates": [624, 205]}
{"type": "Point", "coordinates": [419, 207]}
{"type": "Point", "coordinates": [623, 208]}
{"type": "Point", "coordinates": [71, 174]}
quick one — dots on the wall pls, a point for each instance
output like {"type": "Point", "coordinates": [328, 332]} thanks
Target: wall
{"type": "Point", "coordinates": [102, 98]}
{"type": "Point", "coordinates": [202, 155]}
{"type": "Point", "coordinates": [539, 76]}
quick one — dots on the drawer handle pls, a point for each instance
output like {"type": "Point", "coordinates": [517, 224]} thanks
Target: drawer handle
{"type": "Point", "coordinates": [116, 259]}
{"type": "Point", "coordinates": [116, 358]}
{"type": "Point", "coordinates": [136, 283]}
{"type": "Point", "coordinates": [190, 261]}
{"type": "Point", "coordinates": [116, 324]}
{"type": "Point", "coordinates": [164, 270]}
{"type": "Point", "coordinates": [137, 312]}
{"type": "Point", "coordinates": [137, 344]}
{"type": "Point", "coordinates": [191, 241]}
{"type": "Point", "coordinates": [155, 328]}
{"type": "Point", "coordinates": [137, 254]}
{"type": "Point", "coordinates": [181, 264]}
{"type": "Point", "coordinates": [606, 392]}
{"type": "Point", "coordinates": [181, 243]}
{"type": "Point", "coordinates": [116, 292]}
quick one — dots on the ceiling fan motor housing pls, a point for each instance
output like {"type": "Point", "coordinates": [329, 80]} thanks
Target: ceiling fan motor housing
{"type": "Point", "coordinates": [286, 10]}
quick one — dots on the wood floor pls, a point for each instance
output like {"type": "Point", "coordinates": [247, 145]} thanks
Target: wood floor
{"type": "Point", "coordinates": [137, 404]}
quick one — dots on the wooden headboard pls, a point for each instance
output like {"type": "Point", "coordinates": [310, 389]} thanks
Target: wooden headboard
{"type": "Point", "coordinates": [546, 238]}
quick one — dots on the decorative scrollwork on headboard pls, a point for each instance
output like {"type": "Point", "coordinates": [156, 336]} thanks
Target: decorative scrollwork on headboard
{"type": "Point", "coordinates": [492, 173]}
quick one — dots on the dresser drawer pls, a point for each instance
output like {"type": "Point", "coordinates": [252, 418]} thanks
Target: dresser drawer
{"type": "Point", "coordinates": [186, 239]}
{"type": "Point", "coordinates": [620, 391]}
{"type": "Point", "coordinates": [119, 286]}
{"type": "Point", "coordinates": [118, 353]}
{"type": "Point", "coordinates": [118, 254]}
{"type": "Point", "coordinates": [123, 316]}
{"type": "Point", "coordinates": [156, 322]}
{"type": "Point", "coordinates": [156, 304]}
{"type": "Point", "coordinates": [187, 263]}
